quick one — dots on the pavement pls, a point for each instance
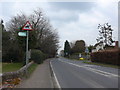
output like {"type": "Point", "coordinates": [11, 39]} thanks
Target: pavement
{"type": "Point", "coordinates": [75, 74]}
{"type": "Point", "coordinates": [40, 78]}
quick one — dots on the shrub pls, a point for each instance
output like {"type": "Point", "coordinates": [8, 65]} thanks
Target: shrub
{"type": "Point", "coordinates": [106, 56]}
{"type": "Point", "coordinates": [37, 56]}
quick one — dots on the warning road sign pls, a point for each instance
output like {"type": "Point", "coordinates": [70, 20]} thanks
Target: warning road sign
{"type": "Point", "coordinates": [27, 26]}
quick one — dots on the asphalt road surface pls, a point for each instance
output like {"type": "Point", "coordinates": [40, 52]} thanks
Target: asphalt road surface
{"type": "Point", "coordinates": [75, 74]}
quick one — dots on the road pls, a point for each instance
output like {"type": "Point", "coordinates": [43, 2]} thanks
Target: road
{"type": "Point", "coordinates": [75, 74]}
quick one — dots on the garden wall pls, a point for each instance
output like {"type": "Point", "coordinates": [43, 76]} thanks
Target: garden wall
{"type": "Point", "coordinates": [17, 74]}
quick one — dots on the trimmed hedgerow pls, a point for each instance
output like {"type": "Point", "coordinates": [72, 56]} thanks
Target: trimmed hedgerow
{"type": "Point", "coordinates": [106, 56]}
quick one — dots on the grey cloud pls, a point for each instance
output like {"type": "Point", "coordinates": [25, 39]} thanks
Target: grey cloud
{"type": "Point", "coordinates": [81, 6]}
{"type": "Point", "coordinates": [72, 10]}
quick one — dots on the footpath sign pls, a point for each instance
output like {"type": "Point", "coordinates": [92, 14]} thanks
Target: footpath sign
{"type": "Point", "coordinates": [27, 26]}
{"type": "Point", "coordinates": [23, 34]}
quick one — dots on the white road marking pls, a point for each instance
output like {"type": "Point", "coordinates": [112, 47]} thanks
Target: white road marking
{"type": "Point", "coordinates": [93, 70]}
{"type": "Point", "coordinates": [55, 76]}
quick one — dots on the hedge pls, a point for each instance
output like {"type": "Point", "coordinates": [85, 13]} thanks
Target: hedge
{"type": "Point", "coordinates": [107, 56]}
{"type": "Point", "coordinates": [37, 56]}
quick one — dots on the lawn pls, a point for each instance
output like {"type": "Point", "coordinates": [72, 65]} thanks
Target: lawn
{"type": "Point", "coordinates": [9, 67]}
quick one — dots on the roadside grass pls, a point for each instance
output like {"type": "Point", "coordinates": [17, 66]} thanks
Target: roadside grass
{"type": "Point", "coordinates": [101, 64]}
{"type": "Point", "coordinates": [0, 67]}
{"type": "Point", "coordinates": [10, 67]}
{"type": "Point", "coordinates": [95, 63]}
{"type": "Point", "coordinates": [32, 68]}
{"type": "Point", "coordinates": [14, 67]}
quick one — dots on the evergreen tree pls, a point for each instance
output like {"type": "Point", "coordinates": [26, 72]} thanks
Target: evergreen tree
{"type": "Point", "coordinates": [67, 49]}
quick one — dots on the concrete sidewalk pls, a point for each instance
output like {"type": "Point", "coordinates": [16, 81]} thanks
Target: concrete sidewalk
{"type": "Point", "coordinates": [41, 78]}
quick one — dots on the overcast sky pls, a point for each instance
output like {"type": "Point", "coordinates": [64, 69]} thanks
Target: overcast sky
{"type": "Point", "coordinates": [73, 20]}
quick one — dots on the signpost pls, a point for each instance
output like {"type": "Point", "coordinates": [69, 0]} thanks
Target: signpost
{"type": "Point", "coordinates": [27, 27]}
{"type": "Point", "coordinates": [87, 51]}
{"type": "Point", "coordinates": [23, 34]}
{"type": "Point", "coordinates": [80, 55]}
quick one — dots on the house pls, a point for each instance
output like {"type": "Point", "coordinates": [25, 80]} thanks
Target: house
{"type": "Point", "coordinates": [100, 46]}
{"type": "Point", "coordinates": [62, 53]}
{"type": "Point", "coordinates": [115, 46]}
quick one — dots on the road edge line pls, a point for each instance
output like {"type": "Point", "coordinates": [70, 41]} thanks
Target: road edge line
{"type": "Point", "coordinates": [58, 85]}
{"type": "Point", "coordinates": [92, 69]}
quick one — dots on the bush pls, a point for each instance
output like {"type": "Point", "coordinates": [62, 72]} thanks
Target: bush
{"type": "Point", "coordinates": [106, 56]}
{"type": "Point", "coordinates": [37, 56]}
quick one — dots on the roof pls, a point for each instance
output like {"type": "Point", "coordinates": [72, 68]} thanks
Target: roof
{"type": "Point", "coordinates": [97, 44]}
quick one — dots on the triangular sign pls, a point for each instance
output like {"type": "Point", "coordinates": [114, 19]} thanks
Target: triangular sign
{"type": "Point", "coordinates": [27, 26]}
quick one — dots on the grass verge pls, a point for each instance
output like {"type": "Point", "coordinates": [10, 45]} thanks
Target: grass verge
{"type": "Point", "coordinates": [10, 67]}
{"type": "Point", "coordinates": [0, 67]}
{"type": "Point", "coordinates": [101, 64]}
{"type": "Point", "coordinates": [32, 68]}
{"type": "Point", "coordinates": [94, 63]}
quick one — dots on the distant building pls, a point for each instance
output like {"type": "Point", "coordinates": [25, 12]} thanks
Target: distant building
{"type": "Point", "coordinates": [116, 44]}
{"type": "Point", "coordinates": [62, 53]}
{"type": "Point", "coordinates": [100, 46]}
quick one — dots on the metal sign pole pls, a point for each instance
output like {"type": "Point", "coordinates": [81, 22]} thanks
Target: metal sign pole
{"type": "Point", "coordinates": [27, 50]}
{"type": "Point", "coordinates": [27, 27]}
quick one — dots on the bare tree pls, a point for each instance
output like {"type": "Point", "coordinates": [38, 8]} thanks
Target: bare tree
{"type": "Point", "coordinates": [43, 36]}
